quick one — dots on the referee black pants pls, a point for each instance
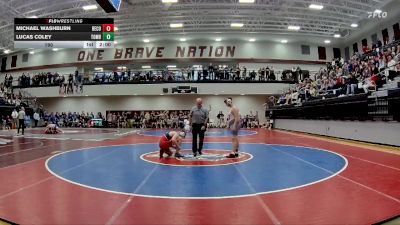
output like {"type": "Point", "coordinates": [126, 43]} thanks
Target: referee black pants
{"type": "Point", "coordinates": [196, 130]}
{"type": "Point", "coordinates": [21, 125]}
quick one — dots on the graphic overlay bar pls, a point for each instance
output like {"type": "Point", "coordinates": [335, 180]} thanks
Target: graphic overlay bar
{"type": "Point", "coordinates": [63, 44]}
{"type": "Point", "coordinates": [51, 36]}
{"type": "Point", "coordinates": [18, 21]}
{"type": "Point", "coordinates": [64, 33]}
{"type": "Point", "coordinates": [58, 28]}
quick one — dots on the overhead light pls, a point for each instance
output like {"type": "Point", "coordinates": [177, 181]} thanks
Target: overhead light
{"type": "Point", "coordinates": [284, 41]}
{"type": "Point", "coordinates": [176, 25]}
{"type": "Point", "coordinates": [337, 35]}
{"type": "Point", "coordinates": [146, 67]}
{"type": "Point", "coordinates": [169, 1]}
{"type": "Point", "coordinates": [89, 7]}
{"type": "Point", "coordinates": [115, 42]}
{"type": "Point", "coordinates": [246, 1]}
{"type": "Point", "coordinates": [99, 68]}
{"type": "Point", "coordinates": [252, 40]}
{"type": "Point", "coordinates": [216, 94]}
{"type": "Point", "coordinates": [315, 6]}
{"type": "Point", "coordinates": [121, 67]}
{"type": "Point", "coordinates": [32, 17]}
{"type": "Point", "coordinates": [237, 24]}
{"type": "Point", "coordinates": [293, 27]}
{"type": "Point", "coordinates": [55, 49]}
{"type": "Point", "coordinates": [377, 11]}
{"type": "Point", "coordinates": [218, 39]}
{"type": "Point", "coordinates": [327, 41]}
{"type": "Point", "coordinates": [86, 95]}
{"type": "Point", "coordinates": [182, 39]}
{"type": "Point", "coordinates": [31, 52]}
{"type": "Point", "coordinates": [146, 40]}
{"type": "Point", "coordinates": [116, 29]}
{"type": "Point", "coordinates": [242, 94]}
{"type": "Point", "coordinates": [135, 94]}
{"type": "Point", "coordinates": [171, 66]}
{"type": "Point", "coordinates": [161, 94]}
{"type": "Point", "coordinates": [354, 25]}
{"type": "Point", "coordinates": [7, 51]}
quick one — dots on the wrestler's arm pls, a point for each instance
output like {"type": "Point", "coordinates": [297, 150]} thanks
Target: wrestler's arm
{"type": "Point", "coordinates": [207, 118]}
{"type": "Point", "coordinates": [176, 141]}
{"type": "Point", "coordinates": [236, 117]}
{"type": "Point", "coordinates": [190, 117]}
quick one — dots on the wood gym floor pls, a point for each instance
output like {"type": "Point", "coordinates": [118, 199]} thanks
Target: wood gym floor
{"type": "Point", "coordinates": [108, 176]}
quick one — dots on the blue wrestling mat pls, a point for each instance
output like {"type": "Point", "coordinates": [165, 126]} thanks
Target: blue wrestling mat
{"type": "Point", "coordinates": [267, 169]}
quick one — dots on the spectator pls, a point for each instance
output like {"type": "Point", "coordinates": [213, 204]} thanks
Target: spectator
{"type": "Point", "coordinates": [21, 120]}
{"type": "Point", "coordinates": [14, 116]}
{"type": "Point", "coordinates": [221, 120]}
{"type": "Point", "coordinates": [36, 118]}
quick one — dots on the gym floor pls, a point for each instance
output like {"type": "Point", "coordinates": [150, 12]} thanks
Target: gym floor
{"type": "Point", "coordinates": [110, 176]}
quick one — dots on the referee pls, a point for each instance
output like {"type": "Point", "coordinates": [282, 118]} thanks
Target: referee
{"type": "Point", "coordinates": [198, 118]}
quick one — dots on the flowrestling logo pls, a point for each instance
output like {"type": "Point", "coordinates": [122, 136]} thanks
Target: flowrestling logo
{"type": "Point", "coordinates": [377, 14]}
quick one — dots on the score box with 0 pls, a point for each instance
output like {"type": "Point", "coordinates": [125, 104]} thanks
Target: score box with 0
{"type": "Point", "coordinates": [102, 37]}
{"type": "Point", "coordinates": [103, 28]}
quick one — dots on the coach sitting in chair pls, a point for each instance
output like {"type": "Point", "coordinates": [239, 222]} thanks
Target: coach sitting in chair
{"type": "Point", "coordinates": [198, 119]}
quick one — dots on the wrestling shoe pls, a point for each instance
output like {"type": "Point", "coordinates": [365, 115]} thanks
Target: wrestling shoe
{"type": "Point", "coordinates": [178, 155]}
{"type": "Point", "coordinates": [232, 156]}
{"type": "Point", "coordinates": [161, 154]}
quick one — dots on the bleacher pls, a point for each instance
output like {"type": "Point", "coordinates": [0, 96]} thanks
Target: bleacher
{"type": "Point", "coordinates": [356, 107]}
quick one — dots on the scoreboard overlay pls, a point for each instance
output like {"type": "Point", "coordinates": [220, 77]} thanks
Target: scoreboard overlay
{"type": "Point", "coordinates": [64, 33]}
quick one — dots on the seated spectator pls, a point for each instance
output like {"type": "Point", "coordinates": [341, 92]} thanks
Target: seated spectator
{"type": "Point", "coordinates": [352, 85]}
{"type": "Point", "coordinates": [391, 70]}
{"type": "Point", "coordinates": [370, 83]}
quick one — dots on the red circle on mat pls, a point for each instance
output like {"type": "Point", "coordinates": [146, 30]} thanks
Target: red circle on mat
{"type": "Point", "coordinates": [210, 157]}
{"type": "Point", "coordinates": [68, 131]}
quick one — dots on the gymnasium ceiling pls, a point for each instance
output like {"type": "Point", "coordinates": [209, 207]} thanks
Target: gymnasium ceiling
{"type": "Point", "coordinates": [140, 19]}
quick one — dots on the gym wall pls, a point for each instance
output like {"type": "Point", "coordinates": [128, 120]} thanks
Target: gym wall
{"type": "Point", "coordinates": [168, 102]}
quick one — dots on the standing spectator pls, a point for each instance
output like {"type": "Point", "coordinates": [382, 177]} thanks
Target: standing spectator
{"type": "Point", "coordinates": [61, 81]}
{"type": "Point", "coordinates": [211, 72]}
{"type": "Point", "coordinates": [78, 83]}
{"type": "Point", "coordinates": [50, 77]}
{"type": "Point", "coordinates": [198, 118]}
{"type": "Point", "coordinates": [21, 120]}
{"type": "Point", "coordinates": [10, 81]}
{"type": "Point", "coordinates": [14, 116]}
{"type": "Point", "coordinates": [244, 74]}
{"type": "Point", "coordinates": [36, 117]}
{"type": "Point", "coordinates": [109, 119]}
{"type": "Point", "coordinates": [256, 120]}
{"type": "Point", "coordinates": [271, 75]}
{"type": "Point", "coordinates": [70, 89]}
{"type": "Point", "coordinates": [391, 71]}
{"type": "Point", "coordinates": [27, 121]}
{"type": "Point", "coordinates": [221, 120]}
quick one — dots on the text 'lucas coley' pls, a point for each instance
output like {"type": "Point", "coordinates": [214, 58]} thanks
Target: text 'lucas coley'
{"type": "Point", "coordinates": [33, 36]}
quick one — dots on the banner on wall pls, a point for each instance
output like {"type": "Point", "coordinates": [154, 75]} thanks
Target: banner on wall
{"type": "Point", "coordinates": [156, 52]}
{"type": "Point", "coordinates": [163, 52]}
